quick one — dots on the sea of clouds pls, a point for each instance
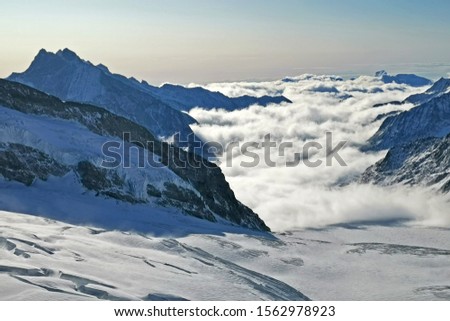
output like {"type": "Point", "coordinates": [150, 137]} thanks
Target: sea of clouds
{"type": "Point", "coordinates": [301, 196]}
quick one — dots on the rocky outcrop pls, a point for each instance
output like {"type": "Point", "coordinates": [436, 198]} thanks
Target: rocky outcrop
{"type": "Point", "coordinates": [25, 164]}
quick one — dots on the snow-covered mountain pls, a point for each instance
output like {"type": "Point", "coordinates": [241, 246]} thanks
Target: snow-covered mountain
{"type": "Point", "coordinates": [45, 139]}
{"type": "Point", "coordinates": [70, 78]}
{"type": "Point", "coordinates": [418, 141]}
{"type": "Point", "coordinates": [407, 79]}
{"type": "Point", "coordinates": [421, 162]}
{"type": "Point", "coordinates": [65, 75]}
{"type": "Point", "coordinates": [430, 119]}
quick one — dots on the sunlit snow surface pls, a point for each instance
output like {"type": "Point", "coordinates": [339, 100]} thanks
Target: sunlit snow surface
{"type": "Point", "coordinates": [42, 259]}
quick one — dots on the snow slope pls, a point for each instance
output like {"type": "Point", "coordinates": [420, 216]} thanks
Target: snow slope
{"type": "Point", "coordinates": [42, 259]}
{"type": "Point", "coordinates": [439, 88]}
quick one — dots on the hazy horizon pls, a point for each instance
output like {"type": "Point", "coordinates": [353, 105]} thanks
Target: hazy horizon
{"type": "Point", "coordinates": [201, 41]}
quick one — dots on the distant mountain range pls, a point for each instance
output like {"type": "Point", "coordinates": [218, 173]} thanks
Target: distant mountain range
{"type": "Point", "coordinates": [439, 88]}
{"type": "Point", "coordinates": [184, 98]}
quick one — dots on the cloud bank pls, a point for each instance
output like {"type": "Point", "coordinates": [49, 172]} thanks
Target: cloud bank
{"type": "Point", "coordinates": [301, 196]}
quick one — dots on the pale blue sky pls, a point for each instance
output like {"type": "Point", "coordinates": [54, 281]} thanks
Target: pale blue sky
{"type": "Point", "coordinates": [203, 40]}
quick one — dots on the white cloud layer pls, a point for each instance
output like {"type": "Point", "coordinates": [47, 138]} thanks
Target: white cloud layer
{"type": "Point", "coordinates": [301, 196]}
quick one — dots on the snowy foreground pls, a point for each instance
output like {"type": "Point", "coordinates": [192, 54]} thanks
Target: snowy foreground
{"type": "Point", "coordinates": [43, 259]}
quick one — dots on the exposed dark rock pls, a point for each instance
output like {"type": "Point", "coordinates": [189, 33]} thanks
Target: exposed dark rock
{"type": "Point", "coordinates": [153, 191]}
{"type": "Point", "coordinates": [176, 195]}
{"type": "Point", "coordinates": [26, 164]}
{"type": "Point", "coordinates": [105, 182]}
{"type": "Point", "coordinates": [395, 102]}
